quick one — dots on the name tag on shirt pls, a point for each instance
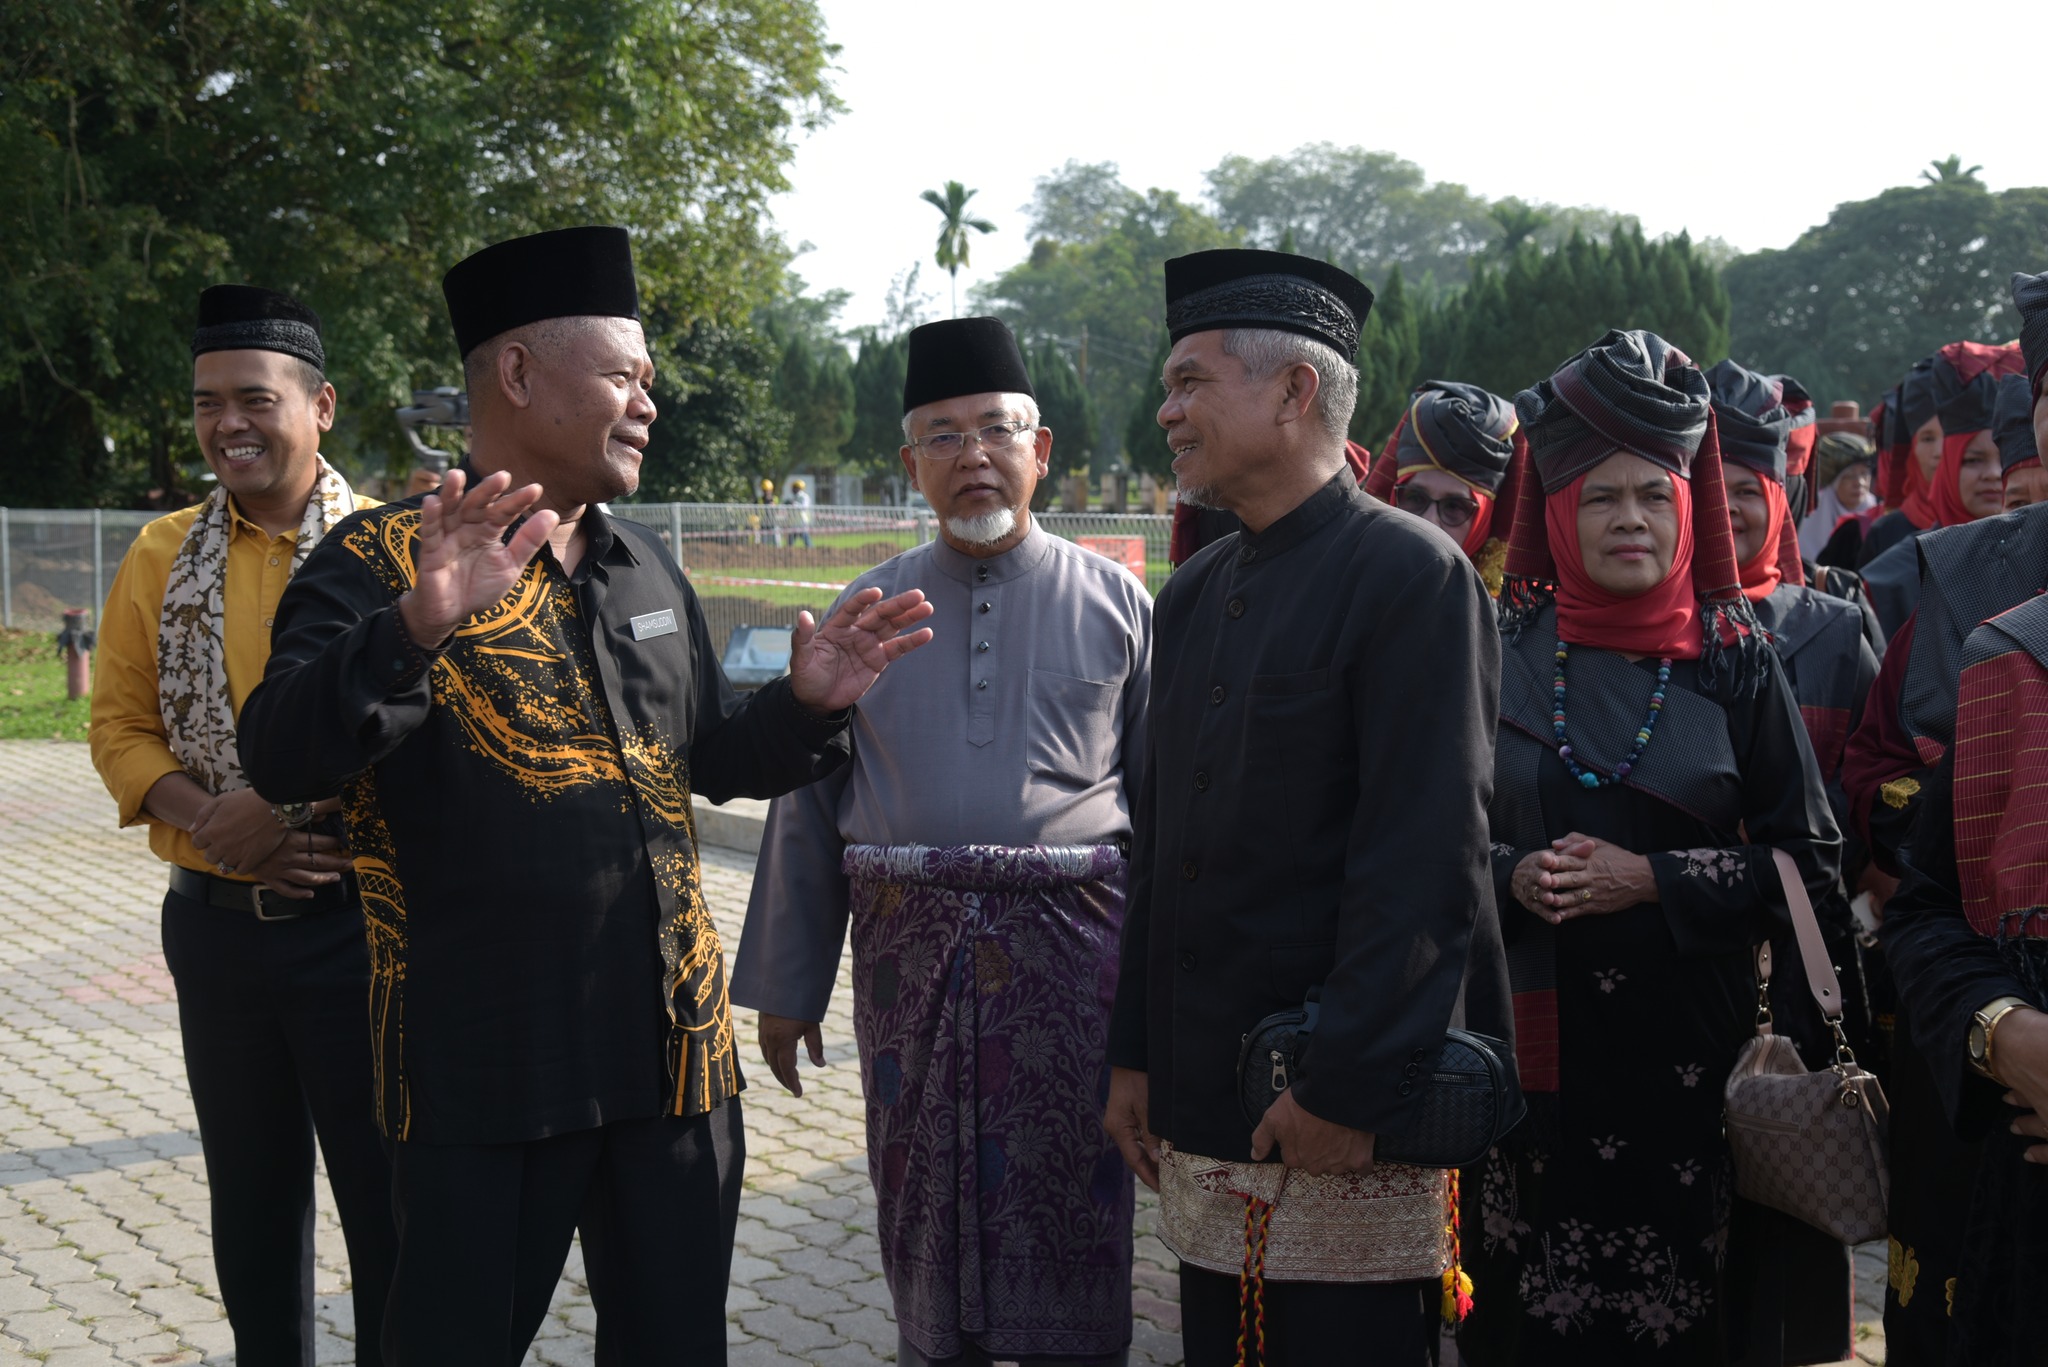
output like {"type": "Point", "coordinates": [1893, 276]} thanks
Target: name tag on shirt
{"type": "Point", "coordinates": [649, 624]}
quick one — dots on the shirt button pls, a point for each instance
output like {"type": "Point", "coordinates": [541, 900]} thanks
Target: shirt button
{"type": "Point", "coordinates": [1201, 781]}
{"type": "Point", "coordinates": [1419, 1055]}
{"type": "Point", "coordinates": [268, 620]}
{"type": "Point", "coordinates": [1216, 695]}
{"type": "Point", "coordinates": [1405, 1088]}
{"type": "Point", "coordinates": [1411, 1070]}
{"type": "Point", "coordinates": [1188, 870]}
{"type": "Point", "coordinates": [273, 560]}
{"type": "Point", "coordinates": [1187, 962]}
{"type": "Point", "coordinates": [982, 646]}
{"type": "Point", "coordinates": [1247, 554]}
{"type": "Point", "coordinates": [983, 684]}
{"type": "Point", "coordinates": [981, 572]}
{"type": "Point", "coordinates": [1237, 607]}
{"type": "Point", "coordinates": [986, 606]}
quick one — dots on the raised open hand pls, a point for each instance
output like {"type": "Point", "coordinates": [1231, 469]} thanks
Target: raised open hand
{"type": "Point", "coordinates": [830, 666]}
{"type": "Point", "coordinates": [464, 563]}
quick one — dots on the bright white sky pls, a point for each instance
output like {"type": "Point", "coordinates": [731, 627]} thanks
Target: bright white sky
{"type": "Point", "coordinates": [1741, 119]}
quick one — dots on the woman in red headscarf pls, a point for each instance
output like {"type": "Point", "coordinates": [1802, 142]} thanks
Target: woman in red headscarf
{"type": "Point", "coordinates": [1649, 754]}
{"type": "Point", "coordinates": [1968, 478]}
{"type": "Point", "coordinates": [1445, 463]}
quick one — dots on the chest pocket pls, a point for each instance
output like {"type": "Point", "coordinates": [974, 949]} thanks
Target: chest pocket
{"type": "Point", "coordinates": [1073, 737]}
{"type": "Point", "coordinates": [1297, 739]}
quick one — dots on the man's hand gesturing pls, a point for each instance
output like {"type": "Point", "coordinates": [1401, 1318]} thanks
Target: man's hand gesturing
{"type": "Point", "coordinates": [830, 666]}
{"type": "Point", "coordinates": [463, 563]}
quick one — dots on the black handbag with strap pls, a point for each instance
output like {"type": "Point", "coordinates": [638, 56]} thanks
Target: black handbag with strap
{"type": "Point", "coordinates": [1471, 1100]}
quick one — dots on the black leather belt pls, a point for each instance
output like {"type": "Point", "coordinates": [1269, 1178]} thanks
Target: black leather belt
{"type": "Point", "coordinates": [257, 900]}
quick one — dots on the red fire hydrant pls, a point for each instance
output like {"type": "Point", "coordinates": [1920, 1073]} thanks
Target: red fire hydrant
{"type": "Point", "coordinates": [76, 642]}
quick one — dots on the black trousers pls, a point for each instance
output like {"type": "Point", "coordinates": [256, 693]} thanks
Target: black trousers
{"type": "Point", "coordinates": [275, 1020]}
{"type": "Point", "coordinates": [1312, 1324]}
{"type": "Point", "coordinates": [484, 1230]}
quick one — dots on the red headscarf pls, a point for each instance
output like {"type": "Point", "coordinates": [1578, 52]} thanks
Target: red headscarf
{"type": "Point", "coordinates": [1948, 504]}
{"type": "Point", "coordinates": [1664, 621]}
{"type": "Point", "coordinates": [1764, 571]}
{"type": "Point", "coordinates": [1919, 504]}
{"type": "Point", "coordinates": [1385, 477]}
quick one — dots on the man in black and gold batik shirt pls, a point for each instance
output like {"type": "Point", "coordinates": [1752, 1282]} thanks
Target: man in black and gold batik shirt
{"type": "Point", "coordinates": [517, 695]}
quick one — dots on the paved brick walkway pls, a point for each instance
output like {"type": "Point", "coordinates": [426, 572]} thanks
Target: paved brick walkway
{"type": "Point", "coordinates": [104, 1254]}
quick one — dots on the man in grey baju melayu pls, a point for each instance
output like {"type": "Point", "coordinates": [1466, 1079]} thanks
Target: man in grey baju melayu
{"type": "Point", "coordinates": [978, 844]}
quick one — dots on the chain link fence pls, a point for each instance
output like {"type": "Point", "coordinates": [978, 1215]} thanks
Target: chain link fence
{"type": "Point", "coordinates": [751, 564]}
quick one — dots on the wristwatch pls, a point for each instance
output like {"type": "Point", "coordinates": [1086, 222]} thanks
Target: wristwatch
{"type": "Point", "coordinates": [1983, 1026]}
{"type": "Point", "coordinates": [293, 815]}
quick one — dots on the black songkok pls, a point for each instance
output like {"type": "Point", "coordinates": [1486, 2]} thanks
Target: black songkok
{"type": "Point", "coordinates": [2030, 297]}
{"type": "Point", "coordinates": [963, 356]}
{"type": "Point", "coordinates": [2012, 422]}
{"type": "Point", "coordinates": [1240, 288]}
{"type": "Point", "coordinates": [568, 273]}
{"type": "Point", "coordinates": [1750, 413]}
{"type": "Point", "coordinates": [250, 318]}
{"type": "Point", "coordinates": [1460, 428]}
{"type": "Point", "coordinates": [1633, 391]}
{"type": "Point", "coordinates": [1919, 396]}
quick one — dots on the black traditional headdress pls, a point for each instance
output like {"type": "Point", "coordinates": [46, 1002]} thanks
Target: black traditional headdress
{"type": "Point", "coordinates": [963, 356]}
{"type": "Point", "coordinates": [568, 273]}
{"type": "Point", "coordinates": [2030, 297]}
{"type": "Point", "coordinates": [250, 318]}
{"type": "Point", "coordinates": [1242, 288]}
{"type": "Point", "coordinates": [2012, 422]}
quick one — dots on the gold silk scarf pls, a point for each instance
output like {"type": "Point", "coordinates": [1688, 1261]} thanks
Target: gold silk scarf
{"type": "Point", "coordinates": [191, 666]}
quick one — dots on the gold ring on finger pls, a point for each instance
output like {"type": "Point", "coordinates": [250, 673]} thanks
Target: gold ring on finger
{"type": "Point", "coordinates": [1585, 894]}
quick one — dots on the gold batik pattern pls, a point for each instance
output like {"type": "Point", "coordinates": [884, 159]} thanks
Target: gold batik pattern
{"type": "Point", "coordinates": [524, 692]}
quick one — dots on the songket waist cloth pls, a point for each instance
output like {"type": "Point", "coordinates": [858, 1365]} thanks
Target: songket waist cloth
{"type": "Point", "coordinates": [983, 979]}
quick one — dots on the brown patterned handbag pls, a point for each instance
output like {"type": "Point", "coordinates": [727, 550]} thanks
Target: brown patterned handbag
{"type": "Point", "coordinates": [1810, 1144]}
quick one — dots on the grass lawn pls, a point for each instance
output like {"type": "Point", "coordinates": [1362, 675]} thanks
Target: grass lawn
{"type": "Point", "coordinates": [32, 701]}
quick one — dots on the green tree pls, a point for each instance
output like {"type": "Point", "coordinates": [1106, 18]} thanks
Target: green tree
{"type": "Point", "coordinates": [1389, 360]}
{"type": "Point", "coordinates": [350, 153]}
{"type": "Point", "coordinates": [1105, 301]}
{"type": "Point", "coordinates": [1144, 439]}
{"type": "Point", "coordinates": [813, 384]}
{"type": "Point", "coordinates": [1853, 303]}
{"type": "Point", "coordinates": [879, 370]}
{"type": "Point", "coordinates": [720, 424]}
{"type": "Point", "coordinates": [1949, 171]}
{"type": "Point", "coordinates": [953, 231]}
{"type": "Point", "coordinates": [1063, 405]}
{"type": "Point", "coordinates": [1080, 202]}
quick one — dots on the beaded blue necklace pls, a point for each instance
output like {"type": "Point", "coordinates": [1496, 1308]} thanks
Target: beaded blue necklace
{"type": "Point", "coordinates": [1588, 778]}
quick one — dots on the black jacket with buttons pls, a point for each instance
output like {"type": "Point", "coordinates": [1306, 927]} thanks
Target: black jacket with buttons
{"type": "Point", "coordinates": [1324, 699]}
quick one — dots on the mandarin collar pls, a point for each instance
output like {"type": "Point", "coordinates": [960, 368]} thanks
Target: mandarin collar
{"type": "Point", "coordinates": [1022, 558]}
{"type": "Point", "coordinates": [1306, 518]}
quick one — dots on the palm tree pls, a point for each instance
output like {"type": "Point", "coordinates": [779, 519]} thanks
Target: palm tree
{"type": "Point", "coordinates": [1950, 169]}
{"type": "Point", "coordinates": [1518, 223]}
{"type": "Point", "coordinates": [953, 239]}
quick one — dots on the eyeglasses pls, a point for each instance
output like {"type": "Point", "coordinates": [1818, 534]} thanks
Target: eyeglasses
{"type": "Point", "coordinates": [997, 436]}
{"type": "Point", "coordinates": [1452, 510]}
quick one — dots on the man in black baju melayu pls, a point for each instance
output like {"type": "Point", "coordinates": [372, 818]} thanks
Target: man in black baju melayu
{"type": "Point", "coordinates": [1313, 817]}
{"type": "Point", "coordinates": [517, 695]}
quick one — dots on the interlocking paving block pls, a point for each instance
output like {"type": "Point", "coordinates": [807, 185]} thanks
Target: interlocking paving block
{"type": "Point", "coordinates": [105, 1248]}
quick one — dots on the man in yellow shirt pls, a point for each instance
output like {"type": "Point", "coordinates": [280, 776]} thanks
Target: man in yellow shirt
{"type": "Point", "coordinates": [263, 931]}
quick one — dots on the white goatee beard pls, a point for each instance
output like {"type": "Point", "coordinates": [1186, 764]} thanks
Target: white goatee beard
{"type": "Point", "coordinates": [985, 530]}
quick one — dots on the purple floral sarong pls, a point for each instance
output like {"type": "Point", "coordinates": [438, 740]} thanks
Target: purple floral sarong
{"type": "Point", "coordinates": [983, 977]}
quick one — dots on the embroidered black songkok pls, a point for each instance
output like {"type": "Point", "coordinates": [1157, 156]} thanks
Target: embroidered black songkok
{"type": "Point", "coordinates": [1459, 428]}
{"type": "Point", "coordinates": [2030, 297]}
{"type": "Point", "coordinates": [250, 318]}
{"type": "Point", "coordinates": [568, 273]}
{"type": "Point", "coordinates": [1750, 412]}
{"type": "Point", "coordinates": [1241, 288]}
{"type": "Point", "coordinates": [963, 356]}
{"type": "Point", "coordinates": [1919, 396]}
{"type": "Point", "coordinates": [2012, 422]}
